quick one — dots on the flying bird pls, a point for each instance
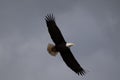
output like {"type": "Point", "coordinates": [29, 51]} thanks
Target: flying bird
{"type": "Point", "coordinates": [61, 46]}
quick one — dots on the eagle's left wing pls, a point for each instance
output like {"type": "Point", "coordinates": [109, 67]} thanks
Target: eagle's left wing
{"type": "Point", "coordinates": [54, 31]}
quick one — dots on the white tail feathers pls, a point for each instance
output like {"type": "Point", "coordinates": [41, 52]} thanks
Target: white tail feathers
{"type": "Point", "coordinates": [51, 50]}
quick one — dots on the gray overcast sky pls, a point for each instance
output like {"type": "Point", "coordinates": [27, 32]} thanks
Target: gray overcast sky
{"type": "Point", "coordinates": [93, 25]}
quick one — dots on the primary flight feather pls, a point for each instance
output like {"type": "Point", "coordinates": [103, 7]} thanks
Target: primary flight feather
{"type": "Point", "coordinates": [61, 46]}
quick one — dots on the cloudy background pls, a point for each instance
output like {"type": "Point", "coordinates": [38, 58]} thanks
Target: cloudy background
{"type": "Point", "coordinates": [93, 25]}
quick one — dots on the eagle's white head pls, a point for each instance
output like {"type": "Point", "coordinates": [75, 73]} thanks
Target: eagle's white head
{"type": "Point", "coordinates": [69, 44]}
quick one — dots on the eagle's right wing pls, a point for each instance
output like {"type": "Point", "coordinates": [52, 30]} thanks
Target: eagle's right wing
{"type": "Point", "coordinates": [71, 62]}
{"type": "Point", "coordinates": [54, 30]}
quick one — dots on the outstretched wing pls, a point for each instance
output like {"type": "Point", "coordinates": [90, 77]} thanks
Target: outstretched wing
{"type": "Point", "coordinates": [54, 30]}
{"type": "Point", "coordinates": [71, 61]}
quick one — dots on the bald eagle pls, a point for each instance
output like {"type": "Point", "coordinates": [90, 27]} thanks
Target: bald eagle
{"type": "Point", "coordinates": [61, 46]}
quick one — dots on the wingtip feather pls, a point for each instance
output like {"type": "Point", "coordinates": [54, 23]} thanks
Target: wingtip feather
{"type": "Point", "coordinates": [82, 72]}
{"type": "Point", "coordinates": [49, 17]}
